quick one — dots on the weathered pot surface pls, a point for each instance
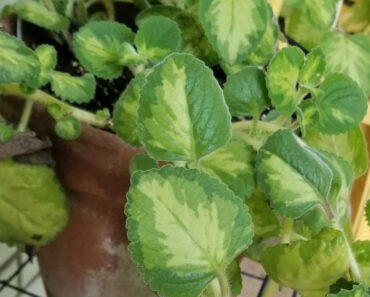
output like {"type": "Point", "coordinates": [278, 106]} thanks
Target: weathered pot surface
{"type": "Point", "coordinates": [90, 257]}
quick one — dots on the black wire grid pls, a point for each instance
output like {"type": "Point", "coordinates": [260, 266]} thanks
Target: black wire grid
{"type": "Point", "coordinates": [22, 289]}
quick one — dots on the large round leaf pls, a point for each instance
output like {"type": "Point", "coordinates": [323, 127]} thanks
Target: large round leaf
{"type": "Point", "coordinates": [182, 112]}
{"type": "Point", "coordinates": [185, 228]}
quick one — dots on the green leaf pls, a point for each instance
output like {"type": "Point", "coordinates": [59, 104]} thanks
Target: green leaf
{"type": "Point", "coordinates": [340, 104]}
{"type": "Point", "coordinates": [308, 267]}
{"type": "Point", "coordinates": [367, 212]}
{"type": "Point", "coordinates": [125, 112]}
{"type": "Point", "coordinates": [357, 291]}
{"type": "Point", "coordinates": [98, 47]}
{"type": "Point", "coordinates": [351, 146]}
{"type": "Point", "coordinates": [142, 162]}
{"type": "Point", "coordinates": [356, 17]}
{"type": "Point", "coordinates": [320, 14]}
{"type": "Point", "coordinates": [246, 92]}
{"type": "Point", "coordinates": [233, 165]}
{"type": "Point", "coordinates": [173, 123]}
{"type": "Point", "coordinates": [193, 36]}
{"type": "Point", "coordinates": [6, 132]}
{"type": "Point", "coordinates": [129, 56]}
{"type": "Point", "coordinates": [297, 27]}
{"type": "Point", "coordinates": [18, 62]}
{"type": "Point", "coordinates": [234, 27]}
{"type": "Point", "coordinates": [266, 222]}
{"type": "Point", "coordinates": [313, 68]}
{"type": "Point", "coordinates": [349, 55]}
{"type": "Point", "coordinates": [185, 229]}
{"type": "Point", "coordinates": [68, 128]}
{"type": "Point", "coordinates": [36, 13]}
{"type": "Point", "coordinates": [157, 38]}
{"type": "Point", "coordinates": [71, 88]}
{"type": "Point", "coordinates": [284, 157]}
{"type": "Point", "coordinates": [32, 204]}
{"type": "Point", "coordinates": [266, 49]}
{"type": "Point", "coordinates": [282, 76]}
{"type": "Point", "coordinates": [361, 250]}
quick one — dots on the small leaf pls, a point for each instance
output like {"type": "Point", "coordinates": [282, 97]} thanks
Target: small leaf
{"type": "Point", "coordinates": [246, 92]}
{"type": "Point", "coordinates": [142, 162]}
{"type": "Point", "coordinates": [6, 132]}
{"type": "Point", "coordinates": [157, 38]}
{"type": "Point", "coordinates": [68, 128]}
{"type": "Point", "coordinates": [234, 276]}
{"type": "Point", "coordinates": [36, 13]}
{"type": "Point", "coordinates": [308, 267]}
{"type": "Point", "coordinates": [266, 222]}
{"type": "Point", "coordinates": [285, 157]}
{"type": "Point", "coordinates": [71, 88]}
{"type": "Point", "coordinates": [357, 291]}
{"type": "Point", "coordinates": [125, 112]}
{"type": "Point", "coordinates": [33, 207]}
{"type": "Point", "coordinates": [234, 27]}
{"type": "Point", "coordinates": [361, 249]}
{"type": "Point", "coordinates": [320, 14]}
{"type": "Point", "coordinates": [349, 55]}
{"type": "Point", "coordinates": [98, 47]}
{"type": "Point", "coordinates": [351, 146]}
{"type": "Point", "coordinates": [18, 62]}
{"type": "Point", "coordinates": [313, 68]}
{"type": "Point", "coordinates": [282, 76]}
{"type": "Point", "coordinates": [173, 124]}
{"type": "Point", "coordinates": [55, 110]}
{"type": "Point", "coordinates": [266, 49]}
{"type": "Point", "coordinates": [185, 229]}
{"type": "Point", "coordinates": [340, 104]}
{"type": "Point", "coordinates": [233, 165]}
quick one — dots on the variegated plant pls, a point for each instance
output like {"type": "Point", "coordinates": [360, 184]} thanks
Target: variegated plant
{"type": "Point", "coordinates": [260, 165]}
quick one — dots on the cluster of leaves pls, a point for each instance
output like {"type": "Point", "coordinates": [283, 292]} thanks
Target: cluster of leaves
{"type": "Point", "coordinates": [285, 170]}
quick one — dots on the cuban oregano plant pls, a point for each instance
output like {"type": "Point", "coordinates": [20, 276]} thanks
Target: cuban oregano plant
{"type": "Point", "coordinates": [251, 132]}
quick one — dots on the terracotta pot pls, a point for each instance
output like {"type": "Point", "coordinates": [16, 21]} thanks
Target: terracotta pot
{"type": "Point", "coordinates": [90, 257]}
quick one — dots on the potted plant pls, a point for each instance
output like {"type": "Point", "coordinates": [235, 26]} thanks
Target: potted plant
{"type": "Point", "coordinates": [254, 158]}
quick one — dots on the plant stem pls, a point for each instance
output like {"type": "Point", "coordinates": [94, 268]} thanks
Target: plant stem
{"type": "Point", "coordinates": [19, 29]}
{"type": "Point", "coordinates": [45, 99]}
{"type": "Point", "coordinates": [109, 6]}
{"type": "Point", "coordinates": [26, 114]}
{"type": "Point", "coordinates": [224, 285]}
{"type": "Point", "coordinates": [287, 230]}
{"type": "Point", "coordinates": [271, 288]}
{"type": "Point", "coordinates": [255, 125]}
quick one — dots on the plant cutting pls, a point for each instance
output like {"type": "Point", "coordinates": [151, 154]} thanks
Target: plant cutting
{"type": "Point", "coordinates": [249, 130]}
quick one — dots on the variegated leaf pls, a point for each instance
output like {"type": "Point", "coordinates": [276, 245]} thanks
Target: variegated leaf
{"type": "Point", "coordinates": [246, 92]}
{"type": "Point", "coordinates": [185, 229]}
{"type": "Point", "coordinates": [351, 146]}
{"type": "Point", "coordinates": [36, 13]}
{"type": "Point", "coordinates": [349, 55]}
{"type": "Point", "coordinates": [308, 266]}
{"type": "Point", "coordinates": [125, 112]}
{"type": "Point", "coordinates": [313, 69]}
{"type": "Point", "coordinates": [340, 104]}
{"type": "Point", "coordinates": [98, 47]}
{"type": "Point", "coordinates": [17, 62]}
{"type": "Point", "coordinates": [266, 49]}
{"type": "Point", "coordinates": [284, 157]}
{"type": "Point", "coordinates": [282, 76]}
{"type": "Point", "coordinates": [72, 88]}
{"type": "Point", "coordinates": [233, 165]}
{"type": "Point", "coordinates": [320, 14]}
{"type": "Point", "coordinates": [182, 113]}
{"type": "Point", "coordinates": [361, 249]}
{"type": "Point", "coordinates": [234, 27]}
{"type": "Point", "coordinates": [157, 38]}
{"type": "Point", "coordinates": [26, 190]}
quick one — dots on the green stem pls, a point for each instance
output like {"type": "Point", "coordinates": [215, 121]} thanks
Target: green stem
{"type": "Point", "coordinates": [26, 114]}
{"type": "Point", "coordinates": [109, 6]}
{"type": "Point", "coordinates": [224, 285]}
{"type": "Point", "coordinates": [270, 289]}
{"type": "Point", "coordinates": [45, 99]}
{"type": "Point", "coordinates": [135, 70]}
{"type": "Point", "coordinates": [254, 125]}
{"type": "Point", "coordinates": [287, 230]}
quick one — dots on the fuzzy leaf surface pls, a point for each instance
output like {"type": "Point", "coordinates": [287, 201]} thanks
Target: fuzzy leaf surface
{"type": "Point", "coordinates": [234, 27]}
{"type": "Point", "coordinates": [32, 204]}
{"type": "Point", "coordinates": [246, 93]}
{"type": "Point", "coordinates": [185, 228]}
{"type": "Point", "coordinates": [182, 112]}
{"type": "Point", "coordinates": [98, 47]}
